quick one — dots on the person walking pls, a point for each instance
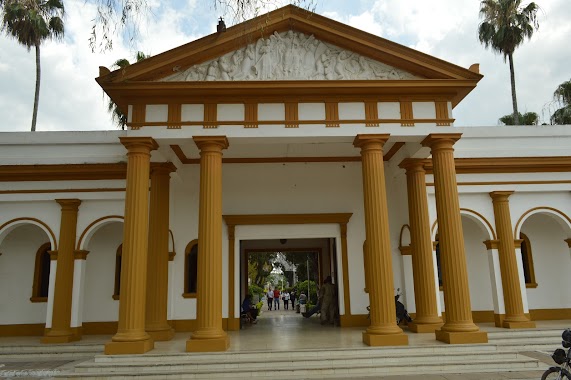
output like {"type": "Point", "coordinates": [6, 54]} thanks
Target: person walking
{"type": "Point", "coordinates": [292, 299]}
{"type": "Point", "coordinates": [285, 297]}
{"type": "Point", "coordinates": [276, 299]}
{"type": "Point", "coordinates": [270, 298]}
{"type": "Point", "coordinates": [327, 298]}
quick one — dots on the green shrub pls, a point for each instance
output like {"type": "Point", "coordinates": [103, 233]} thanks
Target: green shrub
{"type": "Point", "coordinates": [255, 289]}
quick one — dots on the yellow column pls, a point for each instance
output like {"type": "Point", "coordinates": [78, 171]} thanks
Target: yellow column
{"type": "Point", "coordinates": [427, 319]}
{"type": "Point", "coordinates": [383, 330]}
{"type": "Point", "coordinates": [156, 323]}
{"type": "Point", "coordinates": [459, 326]}
{"type": "Point", "coordinates": [515, 317]}
{"type": "Point", "coordinates": [131, 337]}
{"type": "Point", "coordinates": [61, 331]}
{"type": "Point", "coordinates": [210, 336]}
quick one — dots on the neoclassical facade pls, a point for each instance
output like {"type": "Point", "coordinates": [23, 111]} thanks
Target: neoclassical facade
{"type": "Point", "coordinates": [305, 135]}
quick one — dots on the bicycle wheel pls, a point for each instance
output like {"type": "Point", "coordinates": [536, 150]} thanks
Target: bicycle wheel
{"type": "Point", "coordinates": [554, 373]}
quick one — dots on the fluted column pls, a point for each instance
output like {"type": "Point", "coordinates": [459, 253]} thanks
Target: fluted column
{"type": "Point", "coordinates": [459, 326]}
{"type": "Point", "coordinates": [131, 337]}
{"type": "Point", "coordinates": [61, 331]}
{"type": "Point", "coordinates": [515, 317]}
{"type": "Point", "coordinates": [209, 336]}
{"type": "Point", "coordinates": [427, 319]}
{"type": "Point", "coordinates": [156, 324]}
{"type": "Point", "coordinates": [383, 330]}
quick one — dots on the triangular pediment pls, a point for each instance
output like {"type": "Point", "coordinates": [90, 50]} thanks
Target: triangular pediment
{"type": "Point", "coordinates": [290, 56]}
{"type": "Point", "coordinates": [288, 51]}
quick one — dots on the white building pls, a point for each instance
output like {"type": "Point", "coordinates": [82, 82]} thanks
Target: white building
{"type": "Point", "coordinates": [281, 133]}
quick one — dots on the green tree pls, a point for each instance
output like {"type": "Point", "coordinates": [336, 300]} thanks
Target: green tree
{"type": "Point", "coordinates": [562, 96]}
{"type": "Point", "coordinates": [118, 116]}
{"type": "Point", "coordinates": [31, 22]}
{"type": "Point", "coordinates": [506, 25]}
{"type": "Point", "coordinates": [260, 265]}
{"type": "Point", "coordinates": [528, 118]}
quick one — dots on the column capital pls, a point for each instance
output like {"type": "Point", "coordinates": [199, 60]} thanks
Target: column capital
{"type": "Point", "coordinates": [139, 144]}
{"type": "Point", "coordinates": [163, 168]}
{"type": "Point", "coordinates": [517, 243]}
{"type": "Point", "coordinates": [413, 165]}
{"type": "Point", "coordinates": [80, 254]}
{"type": "Point", "coordinates": [491, 244]}
{"type": "Point", "coordinates": [211, 143]}
{"type": "Point", "coordinates": [441, 140]}
{"type": "Point", "coordinates": [362, 141]}
{"type": "Point", "coordinates": [568, 241]}
{"type": "Point", "coordinates": [69, 204]}
{"type": "Point", "coordinates": [53, 255]}
{"type": "Point", "coordinates": [500, 195]}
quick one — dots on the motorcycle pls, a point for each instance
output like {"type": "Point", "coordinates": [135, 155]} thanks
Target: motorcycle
{"type": "Point", "coordinates": [402, 313]}
{"type": "Point", "coordinates": [562, 358]}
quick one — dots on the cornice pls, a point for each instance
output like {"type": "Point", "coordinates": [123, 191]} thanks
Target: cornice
{"type": "Point", "coordinates": [262, 219]}
{"type": "Point", "coordinates": [508, 165]}
{"type": "Point", "coordinates": [69, 172]}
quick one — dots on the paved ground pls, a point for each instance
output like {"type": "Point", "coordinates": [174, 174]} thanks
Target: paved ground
{"type": "Point", "coordinates": [276, 330]}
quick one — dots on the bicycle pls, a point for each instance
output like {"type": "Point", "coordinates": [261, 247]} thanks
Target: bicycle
{"type": "Point", "coordinates": [562, 358]}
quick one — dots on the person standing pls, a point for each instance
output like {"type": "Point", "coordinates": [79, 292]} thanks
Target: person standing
{"type": "Point", "coordinates": [327, 300]}
{"type": "Point", "coordinates": [276, 299]}
{"type": "Point", "coordinates": [286, 300]}
{"type": "Point", "coordinates": [270, 298]}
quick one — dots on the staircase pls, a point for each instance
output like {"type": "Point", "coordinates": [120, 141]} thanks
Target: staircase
{"type": "Point", "coordinates": [504, 352]}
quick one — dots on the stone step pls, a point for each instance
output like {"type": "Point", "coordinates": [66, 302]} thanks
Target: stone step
{"type": "Point", "coordinates": [493, 335]}
{"type": "Point", "coordinates": [304, 354]}
{"type": "Point", "coordinates": [231, 362]}
{"type": "Point", "coordinates": [50, 351]}
{"type": "Point", "coordinates": [324, 369]}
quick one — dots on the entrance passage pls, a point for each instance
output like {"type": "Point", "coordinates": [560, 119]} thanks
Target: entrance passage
{"type": "Point", "coordinates": [292, 272]}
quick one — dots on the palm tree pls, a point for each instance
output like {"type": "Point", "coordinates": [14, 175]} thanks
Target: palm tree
{"type": "Point", "coordinates": [528, 118]}
{"type": "Point", "coordinates": [562, 96]}
{"type": "Point", "coordinates": [119, 118]}
{"type": "Point", "coordinates": [505, 26]}
{"type": "Point", "coordinates": [31, 22]}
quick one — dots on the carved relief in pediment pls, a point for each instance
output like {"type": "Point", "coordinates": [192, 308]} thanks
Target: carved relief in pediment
{"type": "Point", "coordinates": [290, 56]}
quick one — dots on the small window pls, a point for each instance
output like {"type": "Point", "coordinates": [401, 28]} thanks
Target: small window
{"type": "Point", "coordinates": [41, 274]}
{"type": "Point", "coordinates": [190, 269]}
{"type": "Point", "coordinates": [117, 287]}
{"type": "Point", "coordinates": [527, 260]}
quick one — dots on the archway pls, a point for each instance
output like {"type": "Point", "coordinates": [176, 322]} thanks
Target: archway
{"type": "Point", "coordinates": [547, 232]}
{"type": "Point", "coordinates": [23, 243]}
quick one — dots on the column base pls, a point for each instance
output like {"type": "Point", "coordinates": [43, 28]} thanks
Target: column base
{"type": "Point", "coordinates": [461, 337]}
{"type": "Point", "coordinates": [161, 335]}
{"type": "Point", "coordinates": [207, 345]}
{"type": "Point", "coordinates": [518, 325]}
{"type": "Point", "coordinates": [424, 327]}
{"type": "Point", "coordinates": [126, 348]}
{"type": "Point", "coordinates": [54, 339]}
{"type": "Point", "coordinates": [385, 340]}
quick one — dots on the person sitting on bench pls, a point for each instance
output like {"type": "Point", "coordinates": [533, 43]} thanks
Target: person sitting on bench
{"type": "Point", "coordinates": [250, 310]}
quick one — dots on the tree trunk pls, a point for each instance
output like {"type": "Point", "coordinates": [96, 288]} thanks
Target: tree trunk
{"type": "Point", "coordinates": [514, 97]}
{"type": "Point", "coordinates": [37, 94]}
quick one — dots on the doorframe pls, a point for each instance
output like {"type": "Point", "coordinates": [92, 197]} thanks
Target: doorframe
{"type": "Point", "coordinates": [276, 219]}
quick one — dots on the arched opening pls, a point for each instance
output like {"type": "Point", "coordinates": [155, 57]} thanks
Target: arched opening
{"type": "Point", "coordinates": [544, 233]}
{"type": "Point", "coordinates": [25, 274]}
{"type": "Point", "coordinates": [41, 284]}
{"type": "Point", "coordinates": [117, 283]}
{"type": "Point", "coordinates": [527, 261]}
{"type": "Point", "coordinates": [190, 269]}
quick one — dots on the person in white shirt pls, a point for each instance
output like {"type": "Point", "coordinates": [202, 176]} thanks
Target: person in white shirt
{"type": "Point", "coordinates": [270, 298]}
{"type": "Point", "coordinates": [285, 297]}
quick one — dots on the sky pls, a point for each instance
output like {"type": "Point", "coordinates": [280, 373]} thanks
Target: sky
{"type": "Point", "coordinates": [70, 99]}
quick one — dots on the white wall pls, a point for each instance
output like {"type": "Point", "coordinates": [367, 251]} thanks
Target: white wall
{"type": "Point", "coordinates": [99, 306]}
{"type": "Point", "coordinates": [17, 264]}
{"type": "Point", "coordinates": [552, 263]}
{"type": "Point", "coordinates": [481, 296]}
